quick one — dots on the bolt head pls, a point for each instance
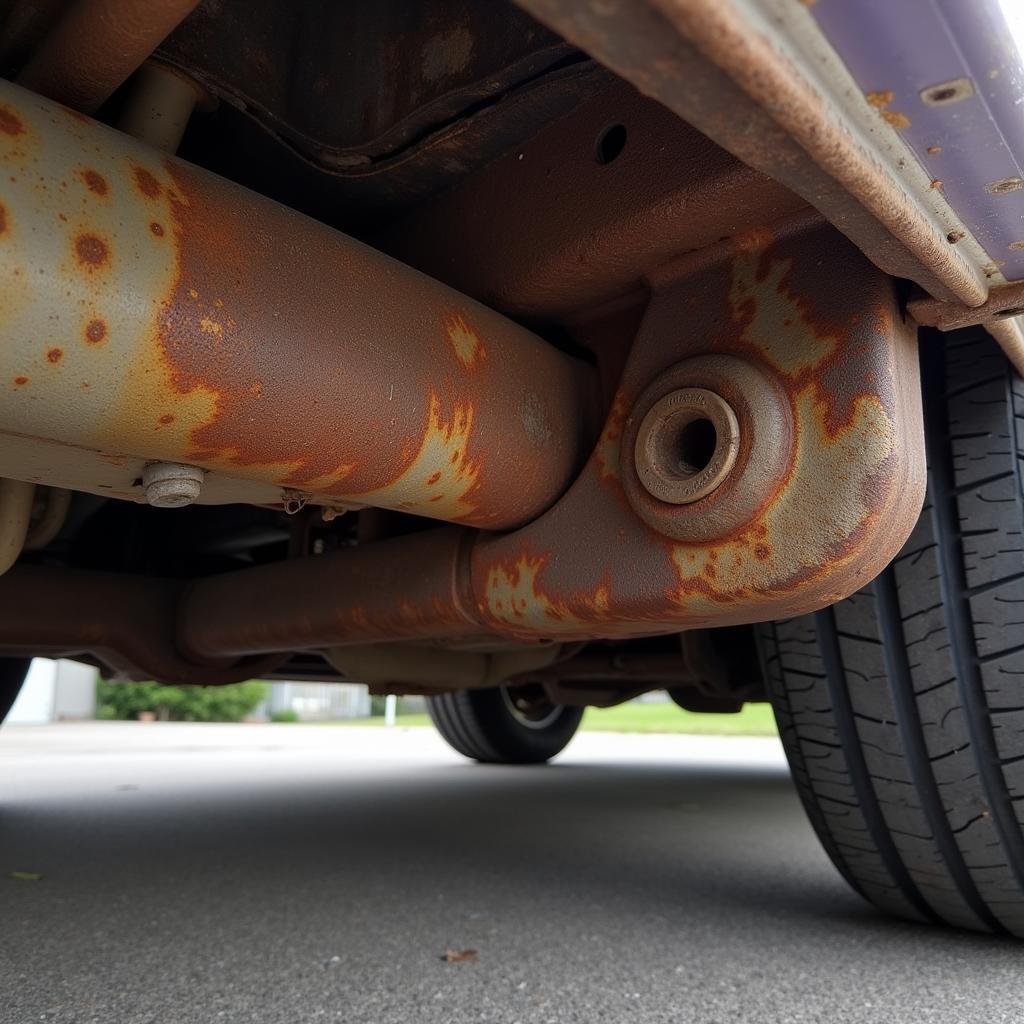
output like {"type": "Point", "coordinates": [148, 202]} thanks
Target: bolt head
{"type": "Point", "coordinates": [171, 484]}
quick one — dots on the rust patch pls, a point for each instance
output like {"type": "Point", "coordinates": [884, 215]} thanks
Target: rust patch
{"type": "Point", "coordinates": [10, 123]}
{"type": "Point", "coordinates": [607, 451]}
{"type": "Point", "coordinates": [95, 182]}
{"type": "Point", "coordinates": [166, 419]}
{"type": "Point", "coordinates": [55, 355]}
{"type": "Point", "coordinates": [95, 331]}
{"type": "Point", "coordinates": [896, 118]}
{"type": "Point", "coordinates": [20, 382]}
{"type": "Point", "coordinates": [91, 251]}
{"type": "Point", "coordinates": [514, 594]}
{"type": "Point", "coordinates": [157, 229]}
{"type": "Point", "coordinates": [146, 182]}
{"type": "Point", "coordinates": [3, 219]}
{"type": "Point", "coordinates": [210, 326]}
{"type": "Point", "coordinates": [464, 340]}
{"type": "Point", "coordinates": [880, 100]}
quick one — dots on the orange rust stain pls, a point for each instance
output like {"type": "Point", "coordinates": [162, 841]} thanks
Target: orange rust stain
{"type": "Point", "coordinates": [146, 182]}
{"type": "Point", "coordinates": [94, 182]}
{"type": "Point", "coordinates": [466, 343]}
{"type": "Point", "coordinates": [10, 123]}
{"type": "Point", "coordinates": [208, 326]}
{"type": "Point", "coordinates": [896, 118]}
{"type": "Point", "coordinates": [433, 478]}
{"type": "Point", "coordinates": [515, 596]}
{"type": "Point", "coordinates": [55, 355]}
{"type": "Point", "coordinates": [157, 229]}
{"type": "Point", "coordinates": [754, 240]}
{"type": "Point", "coordinates": [3, 218]}
{"type": "Point", "coordinates": [166, 419]}
{"type": "Point", "coordinates": [761, 552]}
{"type": "Point", "coordinates": [91, 251]}
{"type": "Point", "coordinates": [95, 331]}
{"type": "Point", "coordinates": [607, 451]}
{"type": "Point", "coordinates": [748, 304]}
{"type": "Point", "coordinates": [20, 381]}
{"type": "Point", "coordinates": [880, 100]}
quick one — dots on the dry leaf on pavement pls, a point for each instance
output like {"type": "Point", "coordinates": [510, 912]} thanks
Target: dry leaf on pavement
{"type": "Point", "coordinates": [458, 956]}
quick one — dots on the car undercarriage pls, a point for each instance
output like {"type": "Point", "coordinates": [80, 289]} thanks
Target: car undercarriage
{"type": "Point", "coordinates": [529, 357]}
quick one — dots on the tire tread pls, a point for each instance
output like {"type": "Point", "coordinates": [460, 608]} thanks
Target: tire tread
{"type": "Point", "coordinates": [902, 707]}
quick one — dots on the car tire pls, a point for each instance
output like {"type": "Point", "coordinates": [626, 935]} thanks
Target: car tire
{"type": "Point", "coordinates": [902, 708]}
{"type": "Point", "coordinates": [486, 725]}
{"type": "Point", "coordinates": [12, 675]}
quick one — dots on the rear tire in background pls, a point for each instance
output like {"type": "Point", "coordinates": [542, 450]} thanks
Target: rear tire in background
{"type": "Point", "coordinates": [12, 675]}
{"type": "Point", "coordinates": [503, 725]}
{"type": "Point", "coordinates": [902, 707]}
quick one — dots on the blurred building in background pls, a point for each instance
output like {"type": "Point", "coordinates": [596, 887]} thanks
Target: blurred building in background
{"type": "Point", "coordinates": [56, 691]}
{"type": "Point", "coordinates": [316, 702]}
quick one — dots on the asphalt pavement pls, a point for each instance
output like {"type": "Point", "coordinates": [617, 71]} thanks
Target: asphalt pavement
{"type": "Point", "coordinates": [294, 873]}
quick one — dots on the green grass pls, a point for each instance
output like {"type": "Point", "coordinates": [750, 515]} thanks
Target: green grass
{"type": "Point", "coordinates": [753, 720]}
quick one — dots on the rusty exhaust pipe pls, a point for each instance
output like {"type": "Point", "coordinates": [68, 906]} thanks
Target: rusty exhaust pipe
{"type": "Point", "coordinates": [124, 621]}
{"type": "Point", "coordinates": [411, 587]}
{"type": "Point", "coordinates": [154, 312]}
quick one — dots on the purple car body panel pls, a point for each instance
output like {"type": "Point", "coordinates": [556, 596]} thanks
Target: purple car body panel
{"type": "Point", "coordinates": [972, 147]}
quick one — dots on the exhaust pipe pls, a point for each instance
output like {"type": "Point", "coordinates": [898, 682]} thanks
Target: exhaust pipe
{"type": "Point", "coordinates": [155, 313]}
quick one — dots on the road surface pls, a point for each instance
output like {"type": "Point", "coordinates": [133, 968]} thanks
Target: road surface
{"type": "Point", "coordinates": [292, 874]}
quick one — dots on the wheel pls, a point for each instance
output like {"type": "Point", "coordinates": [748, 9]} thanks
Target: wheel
{"type": "Point", "coordinates": [12, 674]}
{"type": "Point", "coordinates": [504, 725]}
{"type": "Point", "coordinates": [902, 707]}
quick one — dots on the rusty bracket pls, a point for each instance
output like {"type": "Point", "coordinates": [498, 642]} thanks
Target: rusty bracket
{"type": "Point", "coordinates": [1001, 304]}
{"type": "Point", "coordinates": [828, 479]}
{"type": "Point", "coordinates": [1001, 315]}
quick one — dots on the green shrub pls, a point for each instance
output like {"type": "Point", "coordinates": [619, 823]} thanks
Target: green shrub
{"type": "Point", "coordinates": [179, 703]}
{"type": "Point", "coordinates": [284, 715]}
